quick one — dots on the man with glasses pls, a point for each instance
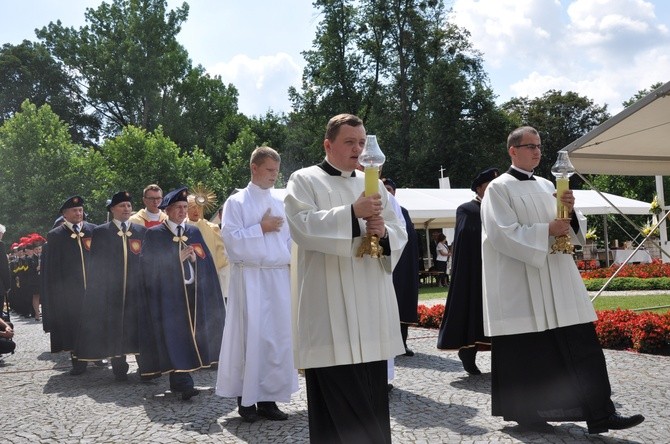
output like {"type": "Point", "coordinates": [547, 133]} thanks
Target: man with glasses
{"type": "Point", "coordinates": [151, 215]}
{"type": "Point", "coordinates": [546, 362]}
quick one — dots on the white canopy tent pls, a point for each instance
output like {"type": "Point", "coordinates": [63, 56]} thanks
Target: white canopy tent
{"type": "Point", "coordinates": [436, 207]}
{"type": "Point", "coordinates": [635, 142]}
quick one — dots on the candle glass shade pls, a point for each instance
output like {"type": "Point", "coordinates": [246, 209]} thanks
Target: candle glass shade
{"type": "Point", "coordinates": [371, 159]}
{"type": "Point", "coordinates": [562, 170]}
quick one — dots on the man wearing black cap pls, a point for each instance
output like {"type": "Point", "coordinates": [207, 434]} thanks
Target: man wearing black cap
{"type": "Point", "coordinates": [109, 323]}
{"type": "Point", "coordinates": [183, 299]}
{"type": "Point", "coordinates": [64, 269]}
{"type": "Point", "coordinates": [462, 328]}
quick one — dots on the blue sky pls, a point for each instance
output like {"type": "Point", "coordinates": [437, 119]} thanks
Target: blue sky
{"type": "Point", "coordinates": [606, 50]}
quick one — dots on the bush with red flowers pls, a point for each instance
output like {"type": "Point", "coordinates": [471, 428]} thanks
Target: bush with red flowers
{"type": "Point", "coordinates": [616, 329]}
{"type": "Point", "coordinates": [430, 317]}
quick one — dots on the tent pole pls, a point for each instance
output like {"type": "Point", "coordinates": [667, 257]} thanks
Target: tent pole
{"type": "Point", "coordinates": [660, 196]}
{"type": "Point", "coordinates": [607, 241]}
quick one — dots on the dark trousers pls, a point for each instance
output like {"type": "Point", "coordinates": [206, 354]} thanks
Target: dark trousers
{"type": "Point", "coordinates": [348, 404]}
{"type": "Point", "coordinates": [119, 365]}
{"type": "Point", "coordinates": [554, 375]}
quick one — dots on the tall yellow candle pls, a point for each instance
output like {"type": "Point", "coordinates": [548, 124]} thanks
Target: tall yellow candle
{"type": "Point", "coordinates": [562, 185]}
{"type": "Point", "coordinates": [371, 180]}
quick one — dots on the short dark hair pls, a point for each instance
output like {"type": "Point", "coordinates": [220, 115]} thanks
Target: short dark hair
{"type": "Point", "coordinates": [515, 136]}
{"type": "Point", "coordinates": [335, 123]}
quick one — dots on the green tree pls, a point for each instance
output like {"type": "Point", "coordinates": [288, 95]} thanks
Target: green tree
{"type": "Point", "coordinates": [29, 72]}
{"type": "Point", "coordinates": [560, 118]}
{"type": "Point", "coordinates": [235, 172]}
{"type": "Point", "coordinates": [137, 158]}
{"type": "Point", "coordinates": [127, 58]}
{"type": "Point", "coordinates": [411, 76]}
{"type": "Point", "coordinates": [203, 113]}
{"type": "Point", "coordinates": [40, 168]}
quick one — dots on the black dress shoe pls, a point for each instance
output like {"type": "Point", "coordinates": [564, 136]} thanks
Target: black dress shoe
{"type": "Point", "coordinates": [614, 422]}
{"type": "Point", "coordinates": [121, 377]}
{"type": "Point", "coordinates": [248, 414]}
{"type": "Point", "coordinates": [389, 388]}
{"type": "Point", "coordinates": [269, 410]}
{"type": "Point", "coordinates": [536, 426]}
{"type": "Point", "coordinates": [408, 352]}
{"type": "Point", "coordinates": [76, 371]}
{"type": "Point", "coordinates": [189, 393]}
{"type": "Point", "coordinates": [467, 357]}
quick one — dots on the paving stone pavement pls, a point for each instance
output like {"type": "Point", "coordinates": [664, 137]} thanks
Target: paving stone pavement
{"type": "Point", "coordinates": [433, 401]}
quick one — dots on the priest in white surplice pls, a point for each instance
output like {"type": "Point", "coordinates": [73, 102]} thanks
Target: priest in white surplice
{"type": "Point", "coordinates": [546, 362]}
{"type": "Point", "coordinates": [345, 314]}
{"type": "Point", "coordinates": [256, 363]}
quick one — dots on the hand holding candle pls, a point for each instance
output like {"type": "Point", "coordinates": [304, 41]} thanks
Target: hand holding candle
{"type": "Point", "coordinates": [371, 159]}
{"type": "Point", "coordinates": [562, 170]}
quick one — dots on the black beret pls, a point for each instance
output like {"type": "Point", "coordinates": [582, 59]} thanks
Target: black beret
{"type": "Point", "coordinates": [121, 196]}
{"type": "Point", "coordinates": [178, 195]}
{"type": "Point", "coordinates": [485, 176]}
{"type": "Point", "coordinates": [72, 202]}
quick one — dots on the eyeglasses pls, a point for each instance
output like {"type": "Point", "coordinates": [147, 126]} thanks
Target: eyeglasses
{"type": "Point", "coordinates": [153, 198]}
{"type": "Point", "coordinates": [530, 146]}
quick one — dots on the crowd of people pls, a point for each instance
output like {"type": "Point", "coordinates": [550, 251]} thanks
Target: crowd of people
{"type": "Point", "coordinates": [181, 293]}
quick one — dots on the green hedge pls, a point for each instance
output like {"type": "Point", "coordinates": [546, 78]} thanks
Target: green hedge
{"type": "Point", "coordinates": [628, 284]}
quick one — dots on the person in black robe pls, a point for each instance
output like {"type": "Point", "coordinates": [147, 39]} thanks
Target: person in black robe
{"type": "Point", "coordinates": [65, 267]}
{"type": "Point", "coordinates": [406, 274]}
{"type": "Point", "coordinates": [110, 314]}
{"type": "Point", "coordinates": [183, 299]}
{"type": "Point", "coordinates": [462, 326]}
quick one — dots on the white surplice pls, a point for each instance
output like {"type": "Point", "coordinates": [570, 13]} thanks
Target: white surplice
{"type": "Point", "coordinates": [344, 307]}
{"type": "Point", "coordinates": [527, 289]}
{"type": "Point", "coordinates": [256, 350]}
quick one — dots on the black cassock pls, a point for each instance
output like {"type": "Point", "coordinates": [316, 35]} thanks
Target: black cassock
{"type": "Point", "coordinates": [462, 322]}
{"type": "Point", "coordinates": [185, 324]}
{"type": "Point", "coordinates": [64, 280]}
{"type": "Point", "coordinates": [406, 275]}
{"type": "Point", "coordinates": [109, 323]}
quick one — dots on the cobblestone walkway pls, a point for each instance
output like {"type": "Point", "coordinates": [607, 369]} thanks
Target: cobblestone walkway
{"type": "Point", "coordinates": [433, 401]}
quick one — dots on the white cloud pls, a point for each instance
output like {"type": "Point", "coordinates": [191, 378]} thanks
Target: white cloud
{"type": "Point", "coordinates": [262, 82]}
{"type": "Point", "coordinates": [606, 50]}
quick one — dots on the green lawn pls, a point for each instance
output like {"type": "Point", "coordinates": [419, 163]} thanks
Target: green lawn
{"type": "Point", "coordinates": [601, 303]}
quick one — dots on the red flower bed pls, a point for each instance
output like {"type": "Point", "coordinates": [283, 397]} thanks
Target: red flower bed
{"type": "Point", "coordinates": [587, 265]}
{"type": "Point", "coordinates": [655, 269]}
{"type": "Point", "coordinates": [617, 329]}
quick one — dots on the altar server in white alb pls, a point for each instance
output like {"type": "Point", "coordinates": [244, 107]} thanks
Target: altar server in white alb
{"type": "Point", "coordinates": [546, 362]}
{"type": "Point", "coordinates": [256, 363]}
{"type": "Point", "coordinates": [344, 307]}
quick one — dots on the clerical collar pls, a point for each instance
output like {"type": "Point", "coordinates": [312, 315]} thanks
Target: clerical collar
{"type": "Point", "coordinates": [331, 170]}
{"type": "Point", "coordinates": [520, 174]}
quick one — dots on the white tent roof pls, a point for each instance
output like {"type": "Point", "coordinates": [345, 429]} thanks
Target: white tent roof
{"type": "Point", "coordinates": [436, 207]}
{"type": "Point", "coordinates": [635, 142]}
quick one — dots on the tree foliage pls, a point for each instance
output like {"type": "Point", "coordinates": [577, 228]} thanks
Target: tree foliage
{"type": "Point", "coordinates": [411, 76]}
{"type": "Point", "coordinates": [127, 58]}
{"type": "Point", "coordinates": [40, 168]}
{"type": "Point", "coordinates": [29, 72]}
